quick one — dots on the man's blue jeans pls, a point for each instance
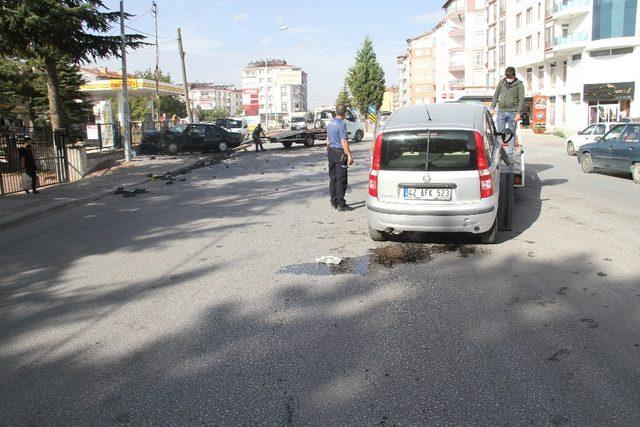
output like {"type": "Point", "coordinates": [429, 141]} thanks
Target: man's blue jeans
{"type": "Point", "coordinates": [507, 120]}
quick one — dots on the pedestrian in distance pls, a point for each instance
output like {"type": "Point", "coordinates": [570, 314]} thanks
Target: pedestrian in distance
{"type": "Point", "coordinates": [258, 132]}
{"type": "Point", "coordinates": [28, 163]}
{"type": "Point", "coordinates": [340, 157]}
{"type": "Point", "coordinates": [509, 97]}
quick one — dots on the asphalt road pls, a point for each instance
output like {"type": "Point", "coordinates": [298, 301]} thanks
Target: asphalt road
{"type": "Point", "coordinates": [200, 302]}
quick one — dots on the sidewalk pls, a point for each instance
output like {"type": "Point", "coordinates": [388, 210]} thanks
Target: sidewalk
{"type": "Point", "coordinates": [15, 208]}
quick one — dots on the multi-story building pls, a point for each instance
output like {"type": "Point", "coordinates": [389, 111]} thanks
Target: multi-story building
{"type": "Point", "coordinates": [273, 89]}
{"type": "Point", "coordinates": [391, 99]}
{"type": "Point", "coordinates": [448, 62]}
{"type": "Point", "coordinates": [422, 69]}
{"type": "Point", "coordinates": [208, 96]}
{"type": "Point", "coordinates": [581, 54]}
{"type": "Point", "coordinates": [404, 84]}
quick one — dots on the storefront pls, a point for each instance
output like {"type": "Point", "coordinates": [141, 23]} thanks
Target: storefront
{"type": "Point", "coordinates": [609, 102]}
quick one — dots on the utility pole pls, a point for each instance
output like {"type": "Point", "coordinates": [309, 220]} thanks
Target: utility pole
{"type": "Point", "coordinates": [184, 78]}
{"type": "Point", "coordinates": [266, 93]}
{"type": "Point", "coordinates": [154, 7]}
{"type": "Point", "coordinates": [126, 132]}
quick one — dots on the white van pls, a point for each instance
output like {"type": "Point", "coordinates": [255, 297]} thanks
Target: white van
{"type": "Point", "coordinates": [236, 125]}
{"type": "Point", "coordinates": [355, 128]}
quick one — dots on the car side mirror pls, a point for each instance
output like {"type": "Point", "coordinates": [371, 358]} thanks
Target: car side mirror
{"type": "Point", "coordinates": [506, 136]}
{"type": "Point", "coordinates": [597, 139]}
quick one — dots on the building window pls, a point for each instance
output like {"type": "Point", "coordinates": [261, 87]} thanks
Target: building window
{"type": "Point", "coordinates": [540, 77]}
{"type": "Point", "coordinates": [553, 72]}
{"type": "Point", "coordinates": [528, 43]}
{"type": "Point", "coordinates": [576, 57]}
{"type": "Point", "coordinates": [539, 40]}
{"type": "Point", "coordinates": [479, 59]}
{"type": "Point", "coordinates": [502, 54]}
{"type": "Point", "coordinates": [548, 37]}
{"type": "Point", "coordinates": [575, 97]}
{"type": "Point", "coordinates": [518, 47]}
{"type": "Point", "coordinates": [614, 18]}
{"type": "Point", "coordinates": [529, 15]}
{"type": "Point", "coordinates": [529, 78]}
{"type": "Point", "coordinates": [518, 21]}
{"type": "Point", "coordinates": [539, 11]}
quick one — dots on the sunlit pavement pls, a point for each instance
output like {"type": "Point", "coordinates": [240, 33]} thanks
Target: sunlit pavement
{"type": "Point", "coordinates": [201, 302]}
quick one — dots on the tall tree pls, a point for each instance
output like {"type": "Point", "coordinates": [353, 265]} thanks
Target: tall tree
{"type": "Point", "coordinates": [169, 104]}
{"type": "Point", "coordinates": [344, 98]}
{"type": "Point", "coordinates": [24, 82]}
{"type": "Point", "coordinates": [366, 79]}
{"type": "Point", "coordinates": [46, 30]}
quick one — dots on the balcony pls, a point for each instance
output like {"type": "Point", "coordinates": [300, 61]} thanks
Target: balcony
{"type": "Point", "coordinates": [456, 67]}
{"type": "Point", "coordinates": [567, 10]}
{"type": "Point", "coordinates": [570, 42]}
{"type": "Point", "coordinates": [457, 83]}
{"type": "Point", "coordinates": [456, 32]}
{"type": "Point", "coordinates": [457, 49]}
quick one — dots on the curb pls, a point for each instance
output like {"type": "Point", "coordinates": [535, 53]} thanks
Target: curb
{"type": "Point", "coordinates": [12, 221]}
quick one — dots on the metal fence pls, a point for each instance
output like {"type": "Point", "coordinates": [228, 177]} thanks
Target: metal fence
{"type": "Point", "coordinates": [48, 152]}
{"type": "Point", "coordinates": [98, 136]}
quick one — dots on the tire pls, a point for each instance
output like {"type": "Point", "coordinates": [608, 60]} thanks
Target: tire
{"type": "Point", "coordinates": [587, 163]}
{"type": "Point", "coordinates": [287, 145]}
{"type": "Point", "coordinates": [377, 236]}
{"type": "Point", "coordinates": [172, 148]}
{"type": "Point", "coordinates": [491, 236]}
{"type": "Point", "coordinates": [571, 149]}
{"type": "Point", "coordinates": [310, 141]}
{"type": "Point", "coordinates": [223, 147]}
{"type": "Point", "coordinates": [359, 136]}
{"type": "Point", "coordinates": [635, 172]}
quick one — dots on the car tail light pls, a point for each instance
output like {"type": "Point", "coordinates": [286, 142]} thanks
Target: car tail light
{"type": "Point", "coordinates": [486, 177]}
{"type": "Point", "coordinates": [375, 167]}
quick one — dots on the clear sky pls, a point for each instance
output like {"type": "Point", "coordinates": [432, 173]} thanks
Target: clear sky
{"type": "Point", "coordinates": [221, 36]}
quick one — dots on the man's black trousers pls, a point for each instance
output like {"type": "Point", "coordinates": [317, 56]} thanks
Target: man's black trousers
{"type": "Point", "coordinates": [258, 143]}
{"type": "Point", "coordinates": [337, 178]}
{"type": "Point", "coordinates": [34, 178]}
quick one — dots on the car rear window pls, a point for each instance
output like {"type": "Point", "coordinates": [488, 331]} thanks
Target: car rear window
{"type": "Point", "coordinates": [448, 150]}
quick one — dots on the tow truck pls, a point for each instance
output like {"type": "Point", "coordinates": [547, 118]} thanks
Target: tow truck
{"type": "Point", "coordinates": [287, 138]}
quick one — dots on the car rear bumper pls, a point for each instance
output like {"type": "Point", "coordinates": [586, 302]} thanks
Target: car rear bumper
{"type": "Point", "coordinates": [477, 218]}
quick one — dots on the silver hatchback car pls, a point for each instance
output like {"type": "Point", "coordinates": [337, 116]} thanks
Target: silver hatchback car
{"type": "Point", "coordinates": [435, 168]}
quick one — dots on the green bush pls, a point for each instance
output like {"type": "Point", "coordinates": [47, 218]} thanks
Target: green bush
{"type": "Point", "coordinates": [560, 134]}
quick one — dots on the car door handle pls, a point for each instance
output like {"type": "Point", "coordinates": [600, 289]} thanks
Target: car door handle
{"type": "Point", "coordinates": [610, 148]}
{"type": "Point", "coordinates": [630, 148]}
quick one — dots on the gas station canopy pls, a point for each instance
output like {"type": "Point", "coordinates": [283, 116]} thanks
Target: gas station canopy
{"type": "Point", "coordinates": [137, 87]}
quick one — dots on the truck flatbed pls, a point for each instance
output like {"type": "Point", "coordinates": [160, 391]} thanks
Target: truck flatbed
{"type": "Point", "coordinates": [287, 138]}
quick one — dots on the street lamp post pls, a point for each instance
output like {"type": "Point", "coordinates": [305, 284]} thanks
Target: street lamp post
{"type": "Point", "coordinates": [266, 82]}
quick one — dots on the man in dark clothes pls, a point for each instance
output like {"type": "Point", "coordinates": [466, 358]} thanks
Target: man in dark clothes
{"type": "Point", "coordinates": [257, 132]}
{"type": "Point", "coordinates": [340, 157]}
{"type": "Point", "coordinates": [28, 163]}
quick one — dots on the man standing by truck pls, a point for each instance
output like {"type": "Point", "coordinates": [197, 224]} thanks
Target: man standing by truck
{"type": "Point", "coordinates": [509, 96]}
{"type": "Point", "coordinates": [257, 134]}
{"type": "Point", "coordinates": [340, 157]}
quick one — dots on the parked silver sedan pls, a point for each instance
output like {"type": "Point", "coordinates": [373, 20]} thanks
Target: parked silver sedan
{"type": "Point", "coordinates": [435, 168]}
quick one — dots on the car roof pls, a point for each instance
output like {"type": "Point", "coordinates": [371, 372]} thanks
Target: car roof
{"type": "Point", "coordinates": [453, 116]}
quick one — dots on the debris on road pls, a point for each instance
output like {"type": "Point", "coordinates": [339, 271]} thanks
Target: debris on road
{"type": "Point", "coordinates": [329, 260]}
{"type": "Point", "coordinates": [129, 193]}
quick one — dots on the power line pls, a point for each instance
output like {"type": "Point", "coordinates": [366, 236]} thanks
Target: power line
{"type": "Point", "coordinates": [148, 34]}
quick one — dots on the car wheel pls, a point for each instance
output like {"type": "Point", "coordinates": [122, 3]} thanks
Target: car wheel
{"type": "Point", "coordinates": [490, 237]}
{"type": "Point", "coordinates": [172, 148]}
{"type": "Point", "coordinates": [571, 149]}
{"type": "Point", "coordinates": [377, 236]}
{"type": "Point", "coordinates": [636, 173]}
{"type": "Point", "coordinates": [223, 147]}
{"type": "Point", "coordinates": [359, 136]}
{"type": "Point", "coordinates": [310, 141]}
{"type": "Point", "coordinates": [287, 145]}
{"type": "Point", "coordinates": [587, 163]}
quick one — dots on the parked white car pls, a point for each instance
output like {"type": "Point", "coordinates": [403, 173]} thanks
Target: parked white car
{"type": "Point", "coordinates": [355, 128]}
{"type": "Point", "coordinates": [236, 125]}
{"type": "Point", "coordinates": [587, 136]}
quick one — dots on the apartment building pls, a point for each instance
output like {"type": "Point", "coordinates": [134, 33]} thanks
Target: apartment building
{"type": "Point", "coordinates": [581, 54]}
{"type": "Point", "coordinates": [404, 94]}
{"type": "Point", "coordinates": [208, 96]}
{"type": "Point", "coordinates": [448, 63]}
{"type": "Point", "coordinates": [422, 68]}
{"type": "Point", "coordinates": [391, 99]}
{"type": "Point", "coordinates": [274, 88]}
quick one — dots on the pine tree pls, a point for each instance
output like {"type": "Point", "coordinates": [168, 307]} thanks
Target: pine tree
{"type": "Point", "coordinates": [47, 30]}
{"type": "Point", "coordinates": [344, 97]}
{"type": "Point", "coordinates": [366, 79]}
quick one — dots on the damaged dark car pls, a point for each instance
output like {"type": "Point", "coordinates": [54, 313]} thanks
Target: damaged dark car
{"type": "Point", "coordinates": [190, 137]}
